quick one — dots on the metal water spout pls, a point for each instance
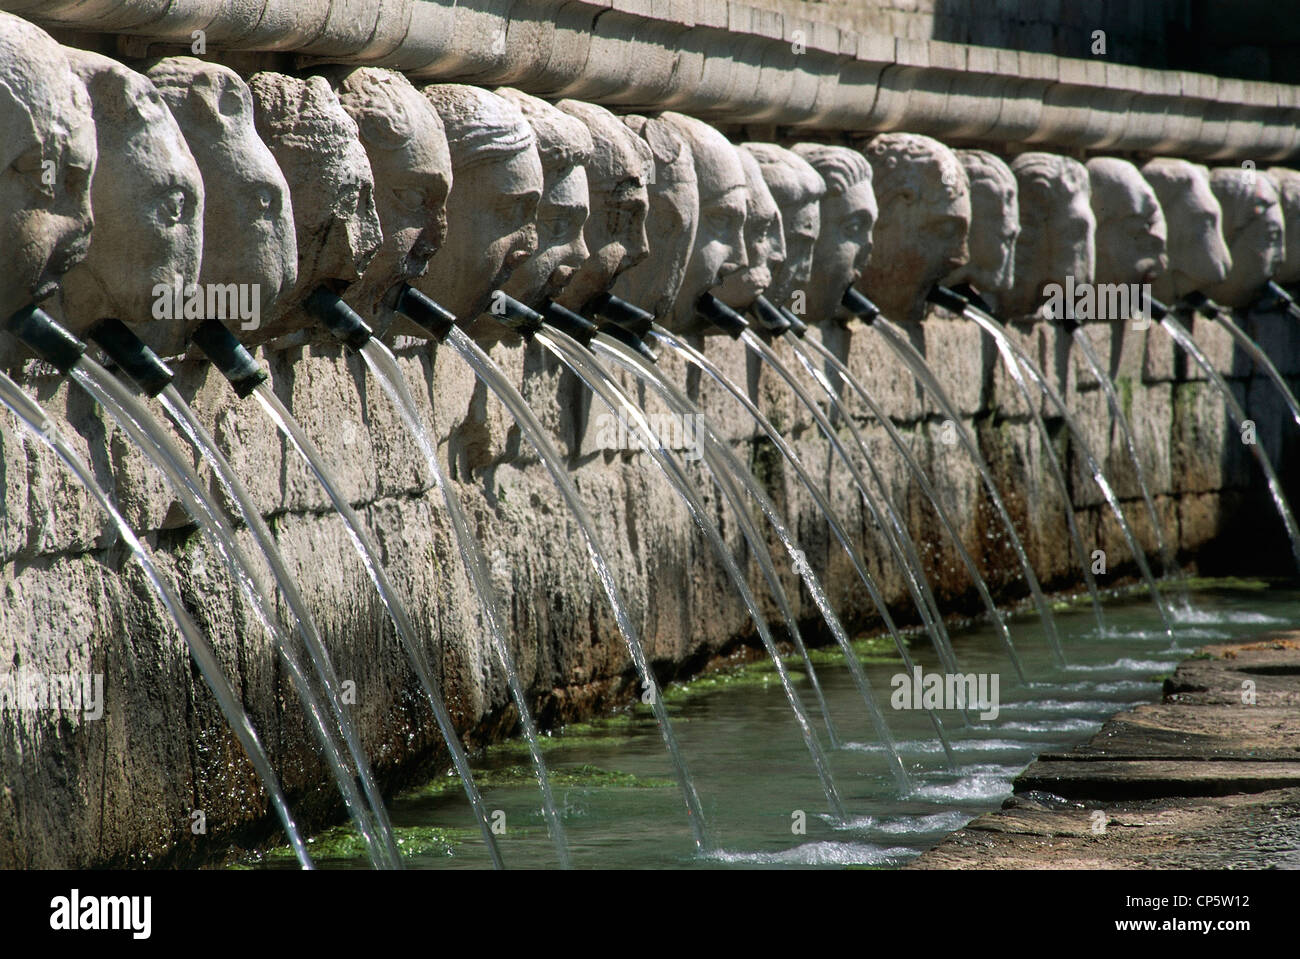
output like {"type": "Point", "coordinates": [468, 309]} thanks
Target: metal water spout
{"type": "Point", "coordinates": [720, 315]}
{"type": "Point", "coordinates": [624, 322]}
{"type": "Point", "coordinates": [1275, 297]}
{"type": "Point", "coordinates": [770, 319]}
{"type": "Point", "coordinates": [858, 305]}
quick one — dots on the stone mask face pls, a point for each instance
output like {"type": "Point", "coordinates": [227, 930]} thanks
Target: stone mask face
{"type": "Point", "coordinates": [764, 241]}
{"type": "Point", "coordinates": [1131, 232]}
{"type": "Point", "coordinates": [671, 222]}
{"type": "Point", "coordinates": [564, 145]}
{"type": "Point", "coordinates": [848, 214]}
{"type": "Point", "coordinates": [925, 213]}
{"type": "Point", "coordinates": [1198, 255]}
{"type": "Point", "coordinates": [797, 190]}
{"type": "Point", "coordinates": [1287, 183]}
{"type": "Point", "coordinates": [719, 247]}
{"type": "Point", "coordinates": [1057, 228]}
{"type": "Point", "coordinates": [801, 225]}
{"type": "Point", "coordinates": [406, 146]}
{"type": "Point", "coordinates": [47, 160]}
{"type": "Point", "coordinates": [994, 225]}
{"type": "Point", "coordinates": [148, 201]}
{"type": "Point", "coordinates": [617, 178]}
{"type": "Point", "coordinates": [1254, 231]}
{"type": "Point", "coordinates": [317, 146]}
{"type": "Point", "coordinates": [492, 209]}
{"type": "Point", "coordinates": [245, 194]}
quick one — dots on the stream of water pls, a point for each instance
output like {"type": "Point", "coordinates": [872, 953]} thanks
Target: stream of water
{"type": "Point", "coordinates": [614, 783]}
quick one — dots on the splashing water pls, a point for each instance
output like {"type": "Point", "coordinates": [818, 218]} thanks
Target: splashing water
{"type": "Point", "coordinates": [618, 403]}
{"type": "Point", "coordinates": [34, 419]}
{"type": "Point", "coordinates": [493, 379]}
{"type": "Point", "coordinates": [388, 595]}
{"type": "Point", "coordinates": [383, 365]}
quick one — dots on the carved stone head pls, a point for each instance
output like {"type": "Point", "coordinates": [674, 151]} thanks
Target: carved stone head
{"type": "Point", "coordinates": [1057, 228]}
{"type": "Point", "coordinates": [1287, 183]}
{"type": "Point", "coordinates": [764, 241]}
{"type": "Point", "coordinates": [797, 190]}
{"type": "Point", "coordinates": [247, 216]}
{"type": "Point", "coordinates": [148, 201]}
{"type": "Point", "coordinates": [317, 146]}
{"type": "Point", "coordinates": [617, 177]}
{"type": "Point", "coordinates": [848, 215]}
{"type": "Point", "coordinates": [47, 159]}
{"type": "Point", "coordinates": [920, 236]}
{"type": "Point", "coordinates": [994, 224]}
{"type": "Point", "coordinates": [671, 222]}
{"type": "Point", "coordinates": [492, 210]}
{"type": "Point", "coordinates": [1131, 232]}
{"type": "Point", "coordinates": [406, 146]}
{"type": "Point", "coordinates": [1198, 256]}
{"type": "Point", "coordinates": [565, 148]}
{"type": "Point", "coordinates": [719, 247]}
{"type": "Point", "coordinates": [1253, 229]}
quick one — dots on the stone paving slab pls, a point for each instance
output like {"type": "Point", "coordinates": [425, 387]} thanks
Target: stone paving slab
{"type": "Point", "coordinates": [1210, 778]}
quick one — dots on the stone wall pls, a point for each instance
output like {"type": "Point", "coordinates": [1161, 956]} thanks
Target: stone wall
{"type": "Point", "coordinates": [119, 790]}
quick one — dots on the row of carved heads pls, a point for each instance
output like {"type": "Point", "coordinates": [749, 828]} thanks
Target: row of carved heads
{"type": "Point", "coordinates": [181, 174]}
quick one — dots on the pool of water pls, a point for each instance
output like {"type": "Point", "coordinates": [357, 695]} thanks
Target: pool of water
{"type": "Point", "coordinates": [622, 809]}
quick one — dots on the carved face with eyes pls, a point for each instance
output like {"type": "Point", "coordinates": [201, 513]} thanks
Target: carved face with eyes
{"type": "Point", "coordinates": [615, 231]}
{"type": "Point", "coordinates": [925, 213]}
{"type": "Point", "coordinates": [148, 202]}
{"type": "Point", "coordinates": [670, 224]}
{"type": "Point", "coordinates": [994, 225]}
{"type": "Point", "coordinates": [764, 241]}
{"type": "Point", "coordinates": [246, 212]}
{"type": "Point", "coordinates": [719, 248]}
{"type": "Point", "coordinates": [801, 226]}
{"type": "Point", "coordinates": [564, 146]}
{"type": "Point", "coordinates": [1130, 225]}
{"type": "Point", "coordinates": [47, 159]}
{"type": "Point", "coordinates": [1198, 256]}
{"type": "Point", "coordinates": [406, 147]}
{"type": "Point", "coordinates": [492, 209]}
{"type": "Point", "coordinates": [1254, 231]}
{"type": "Point", "coordinates": [1057, 228]}
{"type": "Point", "coordinates": [848, 218]}
{"type": "Point", "coordinates": [561, 246]}
{"type": "Point", "coordinates": [316, 145]}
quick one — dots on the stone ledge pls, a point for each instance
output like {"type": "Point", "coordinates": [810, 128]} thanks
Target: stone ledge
{"type": "Point", "coordinates": [1200, 780]}
{"type": "Point", "coordinates": [732, 63]}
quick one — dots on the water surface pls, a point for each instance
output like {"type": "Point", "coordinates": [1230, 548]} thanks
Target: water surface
{"type": "Point", "coordinates": [614, 783]}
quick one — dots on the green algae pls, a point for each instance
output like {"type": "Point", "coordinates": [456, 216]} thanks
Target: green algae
{"type": "Point", "coordinates": [343, 843]}
{"type": "Point", "coordinates": [583, 776]}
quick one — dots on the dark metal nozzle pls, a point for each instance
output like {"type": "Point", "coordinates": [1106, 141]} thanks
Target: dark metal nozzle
{"type": "Point", "coordinates": [721, 315]}
{"type": "Point", "coordinates": [950, 300]}
{"type": "Point", "coordinates": [129, 352]}
{"type": "Point", "coordinates": [797, 326]}
{"type": "Point", "coordinates": [512, 314]}
{"type": "Point", "coordinates": [767, 316]}
{"type": "Point", "coordinates": [430, 316]}
{"type": "Point", "coordinates": [972, 296]}
{"type": "Point", "coordinates": [339, 318]}
{"type": "Point", "coordinates": [566, 321]}
{"type": "Point", "coordinates": [859, 305]}
{"type": "Point", "coordinates": [230, 357]}
{"type": "Point", "coordinates": [1202, 304]}
{"type": "Point", "coordinates": [627, 315]}
{"type": "Point", "coordinates": [628, 338]}
{"type": "Point", "coordinates": [1274, 296]}
{"type": "Point", "coordinates": [46, 338]}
